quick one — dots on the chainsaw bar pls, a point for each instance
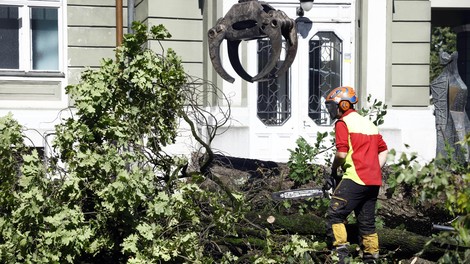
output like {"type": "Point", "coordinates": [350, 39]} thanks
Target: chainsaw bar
{"type": "Point", "coordinates": [298, 194]}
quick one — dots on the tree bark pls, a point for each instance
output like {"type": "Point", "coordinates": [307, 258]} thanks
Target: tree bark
{"type": "Point", "coordinates": [404, 244]}
{"type": "Point", "coordinates": [407, 231]}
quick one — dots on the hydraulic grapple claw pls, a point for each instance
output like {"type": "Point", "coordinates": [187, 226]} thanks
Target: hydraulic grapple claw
{"type": "Point", "coordinates": [249, 20]}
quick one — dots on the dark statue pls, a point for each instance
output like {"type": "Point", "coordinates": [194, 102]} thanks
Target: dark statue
{"type": "Point", "coordinates": [449, 95]}
{"type": "Point", "coordinates": [250, 20]}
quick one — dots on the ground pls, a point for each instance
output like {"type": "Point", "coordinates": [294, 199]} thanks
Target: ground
{"type": "Point", "coordinates": [258, 179]}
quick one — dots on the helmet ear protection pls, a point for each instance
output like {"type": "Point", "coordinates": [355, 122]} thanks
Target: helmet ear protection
{"type": "Point", "coordinates": [342, 98]}
{"type": "Point", "coordinates": [344, 106]}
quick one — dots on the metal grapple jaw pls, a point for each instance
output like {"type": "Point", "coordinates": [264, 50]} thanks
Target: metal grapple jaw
{"type": "Point", "coordinates": [250, 20]}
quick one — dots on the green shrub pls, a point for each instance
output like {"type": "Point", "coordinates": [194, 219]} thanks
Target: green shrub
{"type": "Point", "coordinates": [442, 39]}
{"type": "Point", "coordinates": [107, 193]}
{"type": "Point", "coordinates": [301, 161]}
{"type": "Point", "coordinates": [443, 182]}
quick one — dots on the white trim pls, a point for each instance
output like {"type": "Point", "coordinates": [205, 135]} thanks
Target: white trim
{"type": "Point", "coordinates": [25, 38]}
{"type": "Point", "coordinates": [450, 3]}
{"type": "Point", "coordinates": [63, 49]}
{"type": "Point", "coordinates": [32, 105]}
{"type": "Point", "coordinates": [57, 3]}
{"type": "Point", "coordinates": [25, 57]}
{"type": "Point", "coordinates": [377, 50]}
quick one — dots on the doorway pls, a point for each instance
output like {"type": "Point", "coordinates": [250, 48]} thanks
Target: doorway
{"type": "Point", "coordinates": [292, 105]}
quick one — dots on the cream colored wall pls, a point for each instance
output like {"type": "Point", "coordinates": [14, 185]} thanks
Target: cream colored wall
{"type": "Point", "coordinates": [393, 58]}
{"type": "Point", "coordinates": [92, 31]}
{"type": "Point", "coordinates": [409, 120]}
{"type": "Point", "coordinates": [27, 90]}
{"type": "Point", "coordinates": [394, 52]}
{"type": "Point", "coordinates": [184, 21]}
{"type": "Point", "coordinates": [410, 53]}
{"type": "Point", "coordinates": [38, 102]}
{"type": "Point", "coordinates": [373, 50]}
{"type": "Point", "coordinates": [91, 28]}
{"type": "Point", "coordinates": [212, 12]}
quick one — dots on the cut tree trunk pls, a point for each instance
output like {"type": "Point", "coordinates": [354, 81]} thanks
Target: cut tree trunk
{"type": "Point", "coordinates": [402, 243]}
{"type": "Point", "coordinates": [407, 228]}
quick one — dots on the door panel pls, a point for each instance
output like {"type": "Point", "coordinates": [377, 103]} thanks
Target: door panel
{"type": "Point", "coordinates": [324, 61]}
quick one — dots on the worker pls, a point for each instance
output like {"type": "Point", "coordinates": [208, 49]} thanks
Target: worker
{"type": "Point", "coordinates": [360, 153]}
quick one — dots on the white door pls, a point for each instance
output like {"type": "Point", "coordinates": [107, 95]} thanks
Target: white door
{"type": "Point", "coordinates": [290, 107]}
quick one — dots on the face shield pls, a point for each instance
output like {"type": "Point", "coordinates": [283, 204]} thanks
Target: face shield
{"type": "Point", "coordinates": [332, 108]}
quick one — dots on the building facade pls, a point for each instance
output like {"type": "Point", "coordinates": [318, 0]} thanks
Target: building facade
{"type": "Point", "coordinates": [380, 47]}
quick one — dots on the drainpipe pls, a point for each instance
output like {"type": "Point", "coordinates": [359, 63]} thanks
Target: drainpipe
{"type": "Point", "coordinates": [130, 15]}
{"type": "Point", "coordinates": [118, 23]}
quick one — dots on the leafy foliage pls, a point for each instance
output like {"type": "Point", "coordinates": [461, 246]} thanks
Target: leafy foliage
{"type": "Point", "coordinates": [442, 39]}
{"type": "Point", "coordinates": [110, 194]}
{"type": "Point", "coordinates": [11, 150]}
{"type": "Point", "coordinates": [127, 110]}
{"type": "Point", "coordinates": [293, 252]}
{"type": "Point", "coordinates": [301, 159]}
{"type": "Point", "coordinates": [441, 183]}
{"type": "Point", "coordinates": [376, 111]}
{"type": "Point", "coordinates": [35, 227]}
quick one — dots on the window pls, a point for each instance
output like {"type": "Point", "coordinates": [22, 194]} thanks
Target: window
{"type": "Point", "coordinates": [274, 99]}
{"type": "Point", "coordinates": [44, 39]}
{"type": "Point", "coordinates": [9, 37]}
{"type": "Point", "coordinates": [30, 36]}
{"type": "Point", "coordinates": [325, 73]}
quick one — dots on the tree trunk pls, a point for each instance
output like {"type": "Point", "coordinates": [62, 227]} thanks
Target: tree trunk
{"type": "Point", "coordinates": [407, 231]}
{"type": "Point", "coordinates": [403, 243]}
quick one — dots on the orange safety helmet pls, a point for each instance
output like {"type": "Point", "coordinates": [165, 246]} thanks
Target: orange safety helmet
{"type": "Point", "coordinates": [343, 97]}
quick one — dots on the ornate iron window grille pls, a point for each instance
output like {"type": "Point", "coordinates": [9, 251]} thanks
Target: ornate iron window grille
{"type": "Point", "coordinates": [274, 97]}
{"type": "Point", "coordinates": [325, 73]}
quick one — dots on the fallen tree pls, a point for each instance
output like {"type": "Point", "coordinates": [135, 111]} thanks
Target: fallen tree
{"type": "Point", "coordinates": [405, 230]}
{"type": "Point", "coordinates": [402, 243]}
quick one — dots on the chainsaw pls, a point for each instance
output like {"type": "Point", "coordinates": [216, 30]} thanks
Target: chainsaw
{"type": "Point", "coordinates": [299, 194]}
{"type": "Point", "coordinates": [323, 192]}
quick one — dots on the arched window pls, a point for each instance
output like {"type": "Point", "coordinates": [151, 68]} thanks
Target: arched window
{"type": "Point", "coordinates": [325, 73]}
{"type": "Point", "coordinates": [274, 98]}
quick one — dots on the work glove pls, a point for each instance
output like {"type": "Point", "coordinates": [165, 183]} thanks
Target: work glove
{"type": "Point", "coordinates": [329, 186]}
{"type": "Point", "coordinates": [330, 180]}
{"type": "Point", "coordinates": [337, 178]}
{"type": "Point", "coordinates": [329, 183]}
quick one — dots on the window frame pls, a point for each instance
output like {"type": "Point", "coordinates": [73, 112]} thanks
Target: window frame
{"type": "Point", "coordinates": [25, 68]}
{"type": "Point", "coordinates": [316, 106]}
